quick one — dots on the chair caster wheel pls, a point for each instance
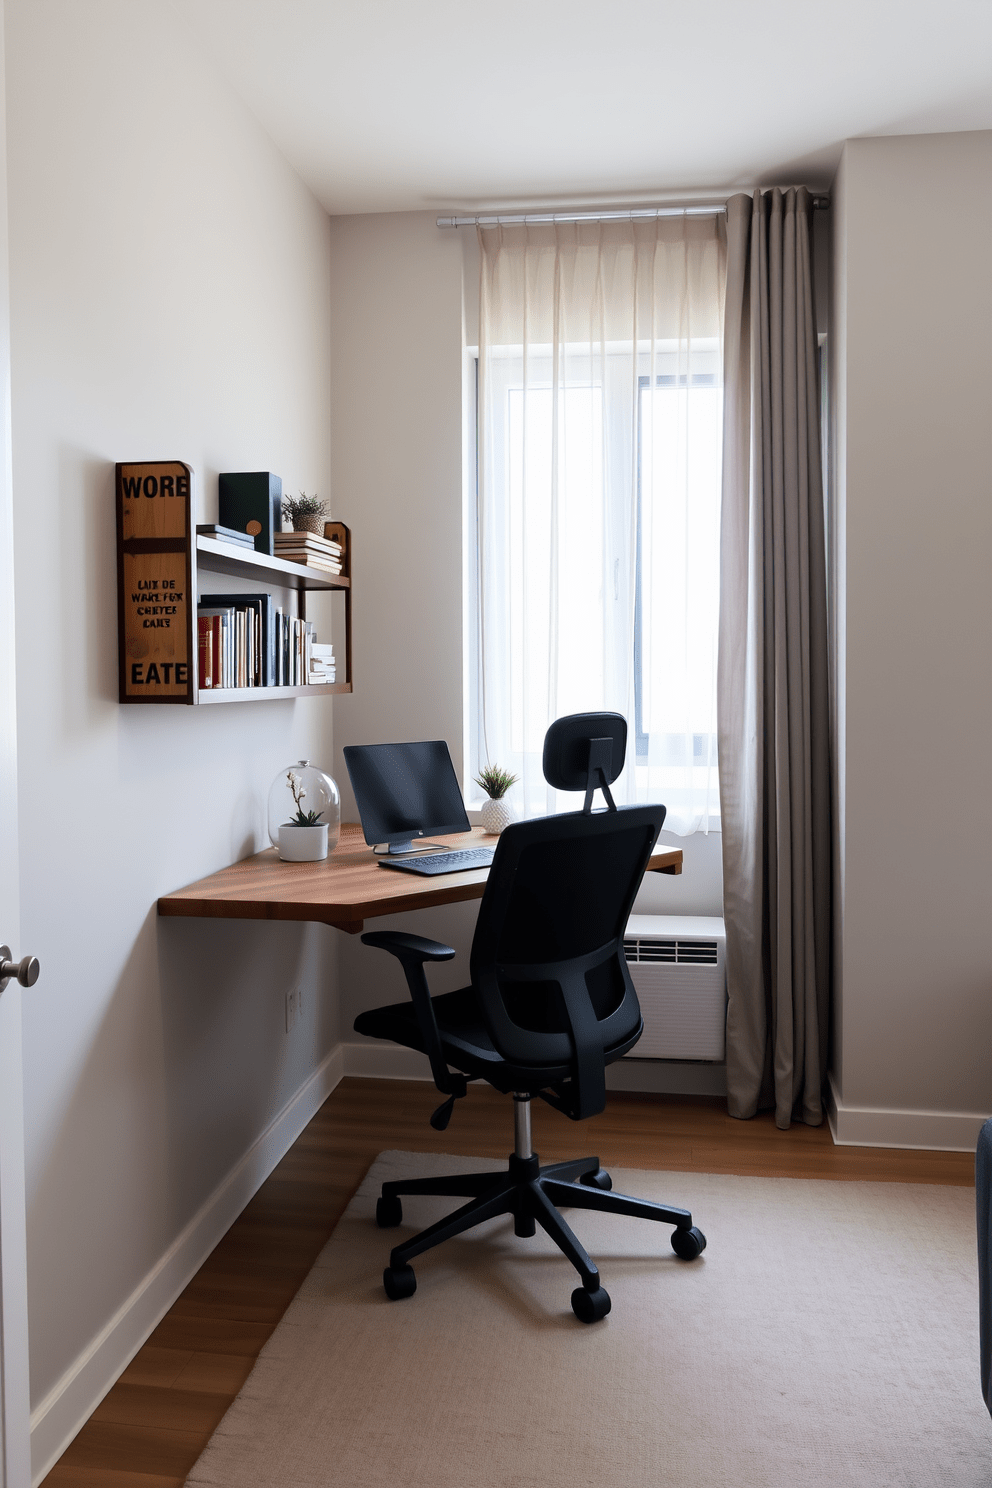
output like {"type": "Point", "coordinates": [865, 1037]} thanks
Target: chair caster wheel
{"type": "Point", "coordinates": [688, 1244]}
{"type": "Point", "coordinates": [590, 1307]}
{"type": "Point", "coordinates": [388, 1212]}
{"type": "Point", "coordinates": [399, 1282]}
{"type": "Point", "coordinates": [599, 1179]}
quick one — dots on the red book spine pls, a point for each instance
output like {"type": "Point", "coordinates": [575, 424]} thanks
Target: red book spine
{"type": "Point", "coordinates": [205, 651]}
{"type": "Point", "coordinates": [216, 658]}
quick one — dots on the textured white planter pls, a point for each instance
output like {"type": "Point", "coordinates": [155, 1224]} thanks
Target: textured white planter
{"type": "Point", "coordinates": [495, 815]}
{"type": "Point", "coordinates": [303, 844]}
{"type": "Point", "coordinates": [310, 524]}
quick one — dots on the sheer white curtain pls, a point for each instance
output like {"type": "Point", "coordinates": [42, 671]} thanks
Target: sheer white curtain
{"type": "Point", "coordinates": [600, 418]}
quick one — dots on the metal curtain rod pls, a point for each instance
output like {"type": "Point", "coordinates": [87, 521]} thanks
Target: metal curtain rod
{"type": "Point", "coordinates": [696, 209]}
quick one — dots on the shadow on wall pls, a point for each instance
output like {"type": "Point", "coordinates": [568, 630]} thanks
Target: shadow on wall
{"type": "Point", "coordinates": [697, 890]}
{"type": "Point", "coordinates": [87, 593]}
{"type": "Point", "coordinates": [107, 1148]}
{"type": "Point", "coordinates": [235, 1062]}
{"type": "Point", "coordinates": [368, 978]}
{"type": "Point", "coordinates": [188, 1065]}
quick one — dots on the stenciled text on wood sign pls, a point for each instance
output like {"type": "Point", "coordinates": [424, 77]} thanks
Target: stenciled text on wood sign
{"type": "Point", "coordinates": [154, 534]}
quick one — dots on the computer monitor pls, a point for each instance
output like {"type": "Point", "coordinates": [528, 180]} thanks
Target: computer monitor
{"type": "Point", "coordinates": [405, 791]}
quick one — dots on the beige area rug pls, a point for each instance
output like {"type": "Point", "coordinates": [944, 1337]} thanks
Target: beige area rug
{"type": "Point", "coordinates": [827, 1338]}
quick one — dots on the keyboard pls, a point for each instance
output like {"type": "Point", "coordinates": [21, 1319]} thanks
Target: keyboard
{"type": "Point", "coordinates": [443, 862]}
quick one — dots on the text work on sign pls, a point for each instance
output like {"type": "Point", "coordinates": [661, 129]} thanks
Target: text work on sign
{"type": "Point", "coordinates": [154, 526]}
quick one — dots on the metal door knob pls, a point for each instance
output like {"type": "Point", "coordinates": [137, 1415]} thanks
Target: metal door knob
{"type": "Point", "coordinates": [26, 970]}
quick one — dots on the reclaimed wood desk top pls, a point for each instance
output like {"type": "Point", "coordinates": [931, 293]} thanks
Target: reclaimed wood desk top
{"type": "Point", "coordinates": [344, 890]}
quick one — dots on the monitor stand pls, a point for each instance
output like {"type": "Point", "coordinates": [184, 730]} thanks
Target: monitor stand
{"type": "Point", "coordinates": [408, 846]}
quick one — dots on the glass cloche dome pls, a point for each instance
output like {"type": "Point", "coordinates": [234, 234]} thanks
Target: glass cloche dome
{"type": "Point", "coordinates": [304, 795]}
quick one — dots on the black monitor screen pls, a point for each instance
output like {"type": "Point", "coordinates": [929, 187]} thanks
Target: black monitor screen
{"type": "Point", "coordinates": [405, 790]}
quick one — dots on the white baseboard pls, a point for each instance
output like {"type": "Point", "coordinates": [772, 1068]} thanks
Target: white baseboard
{"type": "Point", "coordinates": [850, 1126]}
{"type": "Point", "coordinates": [70, 1403]}
{"type": "Point", "coordinates": [875, 1126]}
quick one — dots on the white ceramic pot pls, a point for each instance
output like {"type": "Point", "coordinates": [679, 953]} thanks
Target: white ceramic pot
{"type": "Point", "coordinates": [495, 815]}
{"type": "Point", "coordinates": [303, 844]}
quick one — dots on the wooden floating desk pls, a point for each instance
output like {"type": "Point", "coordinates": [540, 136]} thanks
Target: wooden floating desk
{"type": "Point", "coordinates": [344, 890]}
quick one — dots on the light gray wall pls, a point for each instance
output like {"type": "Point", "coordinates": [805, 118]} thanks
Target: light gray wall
{"type": "Point", "coordinates": [837, 589]}
{"type": "Point", "coordinates": [404, 307]}
{"type": "Point", "coordinates": [169, 280]}
{"type": "Point", "coordinates": [396, 441]}
{"type": "Point", "coordinates": [913, 450]}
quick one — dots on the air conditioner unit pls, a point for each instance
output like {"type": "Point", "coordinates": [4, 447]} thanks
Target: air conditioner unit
{"type": "Point", "coordinates": [678, 964]}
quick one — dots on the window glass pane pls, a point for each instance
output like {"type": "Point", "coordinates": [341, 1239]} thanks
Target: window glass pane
{"type": "Point", "coordinates": [677, 583]}
{"type": "Point", "coordinates": [555, 528]}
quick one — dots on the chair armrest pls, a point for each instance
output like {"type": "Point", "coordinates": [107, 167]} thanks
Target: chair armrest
{"type": "Point", "coordinates": [412, 951]}
{"type": "Point", "coordinates": [408, 947]}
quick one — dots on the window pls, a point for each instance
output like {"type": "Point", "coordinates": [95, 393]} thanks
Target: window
{"type": "Point", "coordinates": [677, 583]}
{"type": "Point", "coordinates": [597, 533]}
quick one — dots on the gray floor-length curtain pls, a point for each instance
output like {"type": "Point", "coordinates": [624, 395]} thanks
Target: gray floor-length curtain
{"type": "Point", "coordinates": [772, 698]}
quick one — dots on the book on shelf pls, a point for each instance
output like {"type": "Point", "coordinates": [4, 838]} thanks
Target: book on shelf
{"type": "Point", "coordinates": [216, 641]}
{"type": "Point", "coordinates": [323, 667]}
{"type": "Point", "coordinates": [260, 640]}
{"type": "Point", "coordinates": [299, 550]}
{"type": "Point", "coordinates": [309, 560]}
{"type": "Point", "coordinates": [311, 540]}
{"type": "Point", "coordinates": [232, 657]}
{"type": "Point", "coordinates": [244, 640]}
{"type": "Point", "coordinates": [251, 501]}
{"type": "Point", "coordinates": [308, 549]}
{"type": "Point", "coordinates": [294, 638]}
{"type": "Point", "coordinates": [226, 535]}
{"type": "Point", "coordinates": [205, 651]}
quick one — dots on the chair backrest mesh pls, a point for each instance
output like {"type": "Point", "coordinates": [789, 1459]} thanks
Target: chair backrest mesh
{"type": "Point", "coordinates": [560, 890]}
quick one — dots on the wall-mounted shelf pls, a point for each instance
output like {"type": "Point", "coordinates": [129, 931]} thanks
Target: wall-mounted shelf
{"type": "Point", "coordinates": [270, 694]}
{"type": "Point", "coordinates": [221, 557]}
{"type": "Point", "coordinates": [159, 554]}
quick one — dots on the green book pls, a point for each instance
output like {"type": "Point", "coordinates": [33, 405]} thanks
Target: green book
{"type": "Point", "coordinates": [251, 501]}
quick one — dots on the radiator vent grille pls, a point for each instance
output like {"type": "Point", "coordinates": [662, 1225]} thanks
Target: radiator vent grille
{"type": "Point", "coordinates": [681, 952]}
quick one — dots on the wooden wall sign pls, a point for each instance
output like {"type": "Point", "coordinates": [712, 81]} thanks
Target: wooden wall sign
{"type": "Point", "coordinates": [156, 605]}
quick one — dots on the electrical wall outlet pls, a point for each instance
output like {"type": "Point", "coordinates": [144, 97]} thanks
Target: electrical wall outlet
{"type": "Point", "coordinates": [294, 1006]}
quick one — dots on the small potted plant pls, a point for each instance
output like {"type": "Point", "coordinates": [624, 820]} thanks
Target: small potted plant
{"type": "Point", "coordinates": [496, 813]}
{"type": "Point", "coordinates": [313, 828]}
{"type": "Point", "coordinates": [307, 513]}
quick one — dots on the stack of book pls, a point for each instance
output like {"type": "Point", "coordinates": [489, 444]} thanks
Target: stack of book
{"type": "Point", "coordinates": [293, 644]}
{"type": "Point", "coordinates": [230, 645]}
{"type": "Point", "coordinates": [322, 665]}
{"type": "Point", "coordinates": [230, 535]}
{"type": "Point", "coordinates": [310, 550]}
{"type": "Point", "coordinates": [246, 641]}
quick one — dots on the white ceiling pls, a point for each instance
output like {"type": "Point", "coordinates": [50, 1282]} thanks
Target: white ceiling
{"type": "Point", "coordinates": [386, 105]}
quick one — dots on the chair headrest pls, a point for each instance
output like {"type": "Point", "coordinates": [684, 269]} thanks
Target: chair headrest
{"type": "Point", "coordinates": [585, 750]}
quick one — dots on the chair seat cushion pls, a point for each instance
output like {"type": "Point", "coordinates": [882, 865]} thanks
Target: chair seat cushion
{"type": "Point", "coordinates": [466, 1042]}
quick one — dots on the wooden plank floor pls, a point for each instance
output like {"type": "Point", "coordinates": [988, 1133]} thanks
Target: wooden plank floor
{"type": "Point", "coordinates": [152, 1426]}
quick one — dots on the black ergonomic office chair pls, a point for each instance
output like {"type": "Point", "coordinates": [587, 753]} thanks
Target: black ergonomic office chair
{"type": "Point", "coordinates": [550, 1005]}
